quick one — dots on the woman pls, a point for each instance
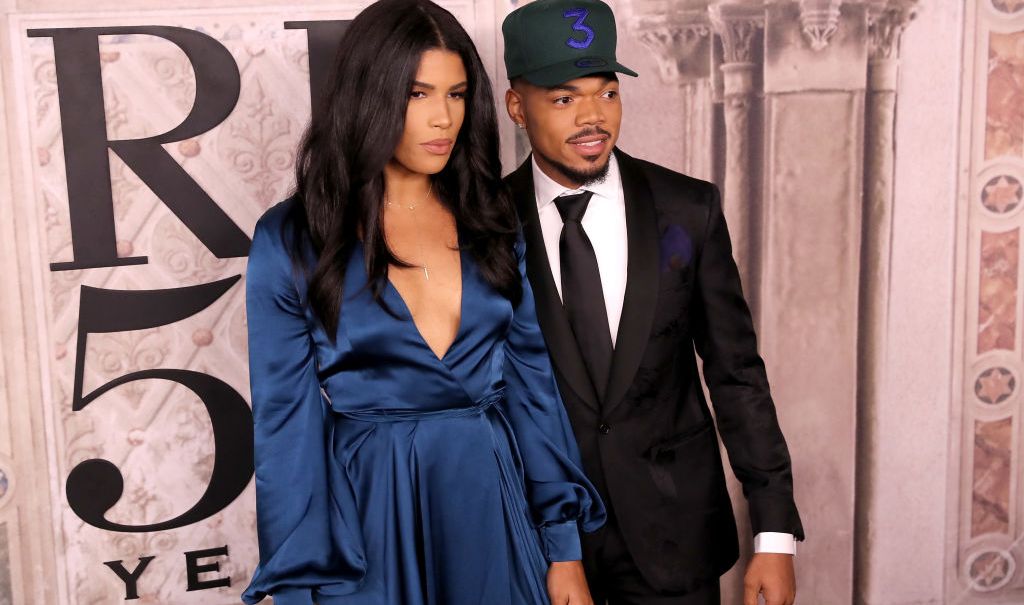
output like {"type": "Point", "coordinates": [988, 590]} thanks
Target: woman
{"type": "Point", "coordinates": [411, 448]}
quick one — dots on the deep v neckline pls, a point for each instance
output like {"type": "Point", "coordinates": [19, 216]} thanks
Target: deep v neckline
{"type": "Point", "coordinates": [462, 310]}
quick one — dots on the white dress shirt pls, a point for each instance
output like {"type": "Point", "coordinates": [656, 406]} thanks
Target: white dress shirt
{"type": "Point", "coordinates": [605, 225]}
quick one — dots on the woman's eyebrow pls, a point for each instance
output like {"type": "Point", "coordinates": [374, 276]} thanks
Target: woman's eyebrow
{"type": "Point", "coordinates": [432, 87]}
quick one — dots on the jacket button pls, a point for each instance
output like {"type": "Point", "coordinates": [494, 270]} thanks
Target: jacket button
{"type": "Point", "coordinates": [604, 429]}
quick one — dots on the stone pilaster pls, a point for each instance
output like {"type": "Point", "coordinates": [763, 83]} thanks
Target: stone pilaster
{"type": "Point", "coordinates": [886, 21]}
{"type": "Point", "coordinates": [738, 27]}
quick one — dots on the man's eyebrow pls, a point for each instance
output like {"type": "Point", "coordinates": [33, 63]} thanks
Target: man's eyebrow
{"type": "Point", "coordinates": [565, 87]}
{"type": "Point", "coordinates": [570, 88]}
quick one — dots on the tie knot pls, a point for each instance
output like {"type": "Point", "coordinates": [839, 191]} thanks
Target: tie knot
{"type": "Point", "coordinates": [572, 207]}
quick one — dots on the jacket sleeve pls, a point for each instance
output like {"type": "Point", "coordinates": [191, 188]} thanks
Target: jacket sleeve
{"type": "Point", "coordinates": [723, 333]}
{"type": "Point", "coordinates": [309, 541]}
{"type": "Point", "coordinates": [560, 496]}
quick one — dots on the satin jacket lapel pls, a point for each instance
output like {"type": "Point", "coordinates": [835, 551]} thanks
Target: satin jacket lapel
{"type": "Point", "coordinates": [554, 324]}
{"type": "Point", "coordinates": [641, 281]}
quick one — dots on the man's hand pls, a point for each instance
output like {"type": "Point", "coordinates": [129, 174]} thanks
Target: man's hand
{"type": "Point", "coordinates": [772, 575]}
{"type": "Point", "coordinates": [567, 584]}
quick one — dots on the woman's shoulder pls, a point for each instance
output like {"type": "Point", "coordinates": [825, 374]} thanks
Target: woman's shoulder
{"type": "Point", "coordinates": [274, 238]}
{"type": "Point", "coordinates": [278, 215]}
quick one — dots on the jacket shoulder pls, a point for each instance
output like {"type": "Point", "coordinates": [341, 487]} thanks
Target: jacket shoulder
{"type": "Point", "coordinates": [665, 181]}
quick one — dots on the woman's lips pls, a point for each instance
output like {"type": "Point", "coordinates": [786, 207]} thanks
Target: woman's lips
{"type": "Point", "coordinates": [438, 146]}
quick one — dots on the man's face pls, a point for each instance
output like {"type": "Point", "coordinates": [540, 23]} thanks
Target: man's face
{"type": "Point", "coordinates": [572, 127]}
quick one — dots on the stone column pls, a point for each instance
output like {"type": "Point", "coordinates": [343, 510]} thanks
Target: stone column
{"type": "Point", "coordinates": [737, 25]}
{"type": "Point", "coordinates": [680, 41]}
{"type": "Point", "coordinates": [886, 21]}
{"type": "Point", "coordinates": [815, 72]}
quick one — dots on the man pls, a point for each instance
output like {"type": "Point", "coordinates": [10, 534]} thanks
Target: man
{"type": "Point", "coordinates": [631, 267]}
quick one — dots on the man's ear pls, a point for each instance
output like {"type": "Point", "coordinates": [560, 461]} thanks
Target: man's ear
{"type": "Point", "coordinates": [514, 106]}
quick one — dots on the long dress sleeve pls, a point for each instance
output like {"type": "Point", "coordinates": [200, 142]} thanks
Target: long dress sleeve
{"type": "Point", "coordinates": [309, 540]}
{"type": "Point", "coordinates": [560, 496]}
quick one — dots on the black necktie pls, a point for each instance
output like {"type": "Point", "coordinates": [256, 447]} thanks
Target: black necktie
{"type": "Point", "coordinates": [582, 295]}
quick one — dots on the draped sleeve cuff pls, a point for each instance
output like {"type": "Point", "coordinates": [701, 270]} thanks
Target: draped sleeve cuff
{"type": "Point", "coordinates": [561, 542]}
{"type": "Point", "coordinates": [293, 596]}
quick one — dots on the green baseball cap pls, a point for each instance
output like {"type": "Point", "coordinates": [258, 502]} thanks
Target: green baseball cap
{"type": "Point", "coordinates": [549, 42]}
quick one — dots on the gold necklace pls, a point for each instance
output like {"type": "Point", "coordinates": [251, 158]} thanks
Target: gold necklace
{"type": "Point", "coordinates": [416, 225]}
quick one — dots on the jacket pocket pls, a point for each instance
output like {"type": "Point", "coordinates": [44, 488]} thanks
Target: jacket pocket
{"type": "Point", "coordinates": [684, 466]}
{"type": "Point", "coordinates": [659, 448]}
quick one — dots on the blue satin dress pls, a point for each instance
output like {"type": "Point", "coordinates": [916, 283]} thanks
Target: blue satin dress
{"type": "Point", "coordinates": [388, 476]}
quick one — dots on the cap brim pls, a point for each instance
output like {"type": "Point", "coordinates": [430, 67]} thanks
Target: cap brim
{"type": "Point", "coordinates": [559, 73]}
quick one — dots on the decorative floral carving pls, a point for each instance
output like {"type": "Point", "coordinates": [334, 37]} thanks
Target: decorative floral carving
{"type": "Point", "coordinates": [681, 44]}
{"type": "Point", "coordinates": [120, 353]}
{"type": "Point", "coordinates": [259, 146]}
{"type": "Point", "coordinates": [820, 21]}
{"type": "Point", "coordinates": [737, 25]}
{"type": "Point", "coordinates": [885, 27]}
{"type": "Point", "coordinates": [176, 250]}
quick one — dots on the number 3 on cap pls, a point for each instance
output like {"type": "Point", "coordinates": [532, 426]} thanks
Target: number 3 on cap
{"type": "Point", "coordinates": [580, 14]}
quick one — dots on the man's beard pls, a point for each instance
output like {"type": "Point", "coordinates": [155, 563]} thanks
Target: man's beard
{"type": "Point", "coordinates": [582, 178]}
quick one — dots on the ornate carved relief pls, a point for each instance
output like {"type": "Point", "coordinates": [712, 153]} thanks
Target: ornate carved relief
{"type": "Point", "coordinates": [886, 22]}
{"type": "Point", "coordinates": [681, 43]}
{"type": "Point", "coordinates": [819, 20]}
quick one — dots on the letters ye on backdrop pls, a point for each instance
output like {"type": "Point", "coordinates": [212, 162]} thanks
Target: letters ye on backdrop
{"type": "Point", "coordinates": [155, 148]}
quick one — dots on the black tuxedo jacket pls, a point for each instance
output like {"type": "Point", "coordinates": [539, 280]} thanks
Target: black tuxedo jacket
{"type": "Point", "coordinates": [650, 445]}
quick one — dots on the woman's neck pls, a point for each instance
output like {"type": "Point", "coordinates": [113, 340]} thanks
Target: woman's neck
{"type": "Point", "coordinates": [402, 186]}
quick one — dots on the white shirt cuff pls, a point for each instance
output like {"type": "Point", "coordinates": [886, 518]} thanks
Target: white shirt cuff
{"type": "Point", "coordinates": [775, 542]}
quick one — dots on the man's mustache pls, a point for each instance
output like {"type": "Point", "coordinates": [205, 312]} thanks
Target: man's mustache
{"type": "Point", "coordinates": [588, 133]}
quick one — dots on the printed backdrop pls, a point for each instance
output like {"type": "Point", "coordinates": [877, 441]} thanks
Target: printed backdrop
{"type": "Point", "coordinates": [871, 155]}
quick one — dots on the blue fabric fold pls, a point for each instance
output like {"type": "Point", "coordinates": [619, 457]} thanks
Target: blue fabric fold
{"type": "Point", "coordinates": [387, 475]}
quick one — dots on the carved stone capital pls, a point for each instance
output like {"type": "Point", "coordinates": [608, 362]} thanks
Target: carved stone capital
{"type": "Point", "coordinates": [737, 25]}
{"type": "Point", "coordinates": [886, 22]}
{"type": "Point", "coordinates": [681, 43]}
{"type": "Point", "coordinates": [819, 20]}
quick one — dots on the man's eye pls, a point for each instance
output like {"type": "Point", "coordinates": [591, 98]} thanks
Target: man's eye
{"type": "Point", "coordinates": [563, 100]}
{"type": "Point", "coordinates": [611, 94]}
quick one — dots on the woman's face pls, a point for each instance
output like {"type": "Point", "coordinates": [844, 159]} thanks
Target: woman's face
{"type": "Point", "coordinates": [437, 107]}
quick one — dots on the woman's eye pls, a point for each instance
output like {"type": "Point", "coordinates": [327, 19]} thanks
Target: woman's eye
{"type": "Point", "coordinates": [418, 94]}
{"type": "Point", "coordinates": [458, 95]}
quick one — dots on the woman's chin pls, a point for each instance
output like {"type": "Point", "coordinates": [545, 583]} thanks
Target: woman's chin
{"type": "Point", "coordinates": [433, 165]}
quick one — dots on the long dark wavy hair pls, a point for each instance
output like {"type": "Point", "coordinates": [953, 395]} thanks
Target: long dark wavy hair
{"type": "Point", "coordinates": [353, 135]}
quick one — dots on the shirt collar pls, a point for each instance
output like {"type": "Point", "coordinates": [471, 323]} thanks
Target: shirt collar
{"type": "Point", "coordinates": [547, 189]}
